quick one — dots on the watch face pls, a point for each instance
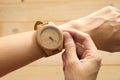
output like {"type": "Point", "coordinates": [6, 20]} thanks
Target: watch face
{"type": "Point", "coordinates": [50, 37]}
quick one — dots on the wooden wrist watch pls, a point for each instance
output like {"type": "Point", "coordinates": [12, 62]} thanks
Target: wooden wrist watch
{"type": "Point", "coordinates": [49, 37]}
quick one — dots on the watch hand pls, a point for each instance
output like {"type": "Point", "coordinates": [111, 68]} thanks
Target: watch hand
{"type": "Point", "coordinates": [52, 39]}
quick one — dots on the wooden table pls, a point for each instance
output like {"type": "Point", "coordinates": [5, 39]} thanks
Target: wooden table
{"type": "Point", "coordinates": [20, 15]}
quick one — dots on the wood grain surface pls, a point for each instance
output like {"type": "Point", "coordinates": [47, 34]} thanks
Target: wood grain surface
{"type": "Point", "coordinates": [20, 15]}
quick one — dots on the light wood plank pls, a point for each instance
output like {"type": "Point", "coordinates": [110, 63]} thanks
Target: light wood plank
{"type": "Point", "coordinates": [109, 73]}
{"type": "Point", "coordinates": [1, 30]}
{"type": "Point", "coordinates": [36, 73]}
{"type": "Point", "coordinates": [56, 73]}
{"type": "Point", "coordinates": [8, 28]}
{"type": "Point", "coordinates": [108, 59]}
{"type": "Point", "coordinates": [12, 28]}
{"type": "Point", "coordinates": [51, 11]}
{"type": "Point", "coordinates": [9, 1]}
{"type": "Point", "coordinates": [40, 12]}
{"type": "Point", "coordinates": [44, 1]}
{"type": "Point", "coordinates": [31, 1]}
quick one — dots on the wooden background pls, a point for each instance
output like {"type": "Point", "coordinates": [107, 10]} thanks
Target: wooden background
{"type": "Point", "coordinates": [20, 15]}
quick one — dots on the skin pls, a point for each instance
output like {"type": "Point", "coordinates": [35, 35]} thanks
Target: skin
{"type": "Point", "coordinates": [21, 49]}
{"type": "Point", "coordinates": [103, 26]}
{"type": "Point", "coordinates": [18, 50]}
{"type": "Point", "coordinates": [80, 65]}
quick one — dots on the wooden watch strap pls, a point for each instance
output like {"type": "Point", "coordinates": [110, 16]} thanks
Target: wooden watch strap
{"type": "Point", "coordinates": [49, 37]}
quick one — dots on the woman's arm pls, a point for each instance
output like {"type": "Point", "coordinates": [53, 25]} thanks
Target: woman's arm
{"type": "Point", "coordinates": [103, 26]}
{"type": "Point", "coordinates": [18, 50]}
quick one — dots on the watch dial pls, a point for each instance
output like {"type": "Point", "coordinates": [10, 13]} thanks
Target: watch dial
{"type": "Point", "coordinates": [50, 37]}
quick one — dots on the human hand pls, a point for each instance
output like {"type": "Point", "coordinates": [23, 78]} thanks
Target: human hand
{"type": "Point", "coordinates": [106, 34]}
{"type": "Point", "coordinates": [81, 62]}
{"type": "Point", "coordinates": [103, 26]}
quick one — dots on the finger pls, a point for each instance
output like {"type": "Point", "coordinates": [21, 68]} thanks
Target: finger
{"type": "Point", "coordinates": [64, 61]}
{"type": "Point", "coordinates": [70, 48]}
{"type": "Point", "coordinates": [79, 50]}
{"type": "Point", "coordinates": [85, 38]}
{"type": "Point", "coordinates": [63, 57]}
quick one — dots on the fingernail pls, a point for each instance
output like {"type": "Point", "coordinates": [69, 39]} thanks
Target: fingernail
{"type": "Point", "coordinates": [67, 35]}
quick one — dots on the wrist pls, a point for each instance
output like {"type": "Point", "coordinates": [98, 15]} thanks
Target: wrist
{"type": "Point", "coordinates": [37, 47]}
{"type": "Point", "coordinates": [69, 25]}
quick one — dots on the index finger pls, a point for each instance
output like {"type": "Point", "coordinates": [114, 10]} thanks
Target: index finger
{"type": "Point", "coordinates": [70, 47]}
{"type": "Point", "coordinates": [86, 39]}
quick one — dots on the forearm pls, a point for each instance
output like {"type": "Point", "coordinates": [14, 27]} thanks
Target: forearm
{"type": "Point", "coordinates": [103, 26]}
{"type": "Point", "coordinates": [18, 50]}
{"type": "Point", "coordinates": [92, 26]}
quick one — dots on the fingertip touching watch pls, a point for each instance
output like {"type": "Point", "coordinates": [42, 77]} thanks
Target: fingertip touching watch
{"type": "Point", "coordinates": [49, 37]}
